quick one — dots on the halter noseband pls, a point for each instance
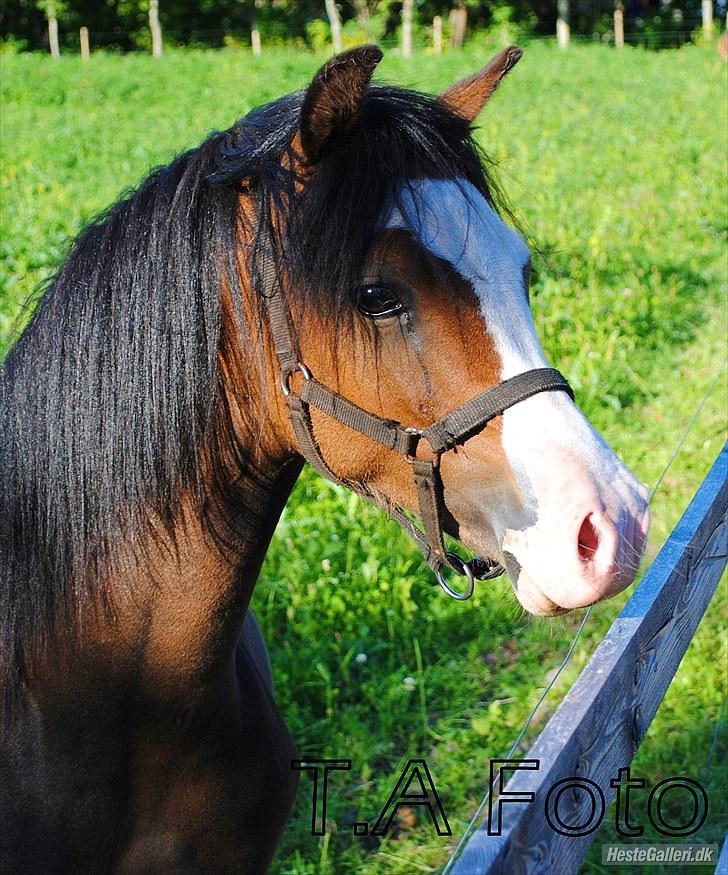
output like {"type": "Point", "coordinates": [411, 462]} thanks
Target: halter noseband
{"type": "Point", "coordinates": [442, 436]}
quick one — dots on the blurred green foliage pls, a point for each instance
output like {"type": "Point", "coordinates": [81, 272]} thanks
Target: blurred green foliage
{"type": "Point", "coordinates": [122, 25]}
{"type": "Point", "coordinates": [614, 162]}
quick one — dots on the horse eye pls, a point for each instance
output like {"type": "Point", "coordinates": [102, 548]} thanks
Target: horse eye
{"type": "Point", "coordinates": [377, 301]}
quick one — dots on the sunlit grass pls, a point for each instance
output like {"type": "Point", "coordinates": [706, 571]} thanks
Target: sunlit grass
{"type": "Point", "coordinates": [615, 163]}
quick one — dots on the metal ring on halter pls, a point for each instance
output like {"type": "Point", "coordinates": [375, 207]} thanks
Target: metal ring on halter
{"type": "Point", "coordinates": [285, 378]}
{"type": "Point", "coordinates": [467, 571]}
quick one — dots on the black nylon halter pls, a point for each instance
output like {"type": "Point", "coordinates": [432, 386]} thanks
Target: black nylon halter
{"type": "Point", "coordinates": [446, 433]}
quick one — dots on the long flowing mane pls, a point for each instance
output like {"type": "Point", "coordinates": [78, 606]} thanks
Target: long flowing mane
{"type": "Point", "coordinates": [113, 394]}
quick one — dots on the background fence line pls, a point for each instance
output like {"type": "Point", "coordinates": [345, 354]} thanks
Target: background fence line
{"type": "Point", "coordinates": [406, 29]}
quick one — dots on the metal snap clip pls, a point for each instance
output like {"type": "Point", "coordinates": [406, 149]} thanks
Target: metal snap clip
{"type": "Point", "coordinates": [486, 569]}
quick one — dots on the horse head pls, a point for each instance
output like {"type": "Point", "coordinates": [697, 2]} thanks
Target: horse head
{"type": "Point", "coordinates": [407, 296]}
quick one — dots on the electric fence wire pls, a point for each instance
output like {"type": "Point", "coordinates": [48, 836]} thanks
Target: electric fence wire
{"type": "Point", "coordinates": [479, 811]}
{"type": "Point", "coordinates": [564, 662]}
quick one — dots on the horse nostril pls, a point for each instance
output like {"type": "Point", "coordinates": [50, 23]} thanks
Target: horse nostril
{"type": "Point", "coordinates": [588, 541]}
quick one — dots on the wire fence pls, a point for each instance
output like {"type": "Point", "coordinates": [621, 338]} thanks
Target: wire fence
{"type": "Point", "coordinates": [424, 37]}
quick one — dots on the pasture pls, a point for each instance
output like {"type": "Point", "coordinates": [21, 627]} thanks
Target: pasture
{"type": "Point", "coordinates": [614, 162]}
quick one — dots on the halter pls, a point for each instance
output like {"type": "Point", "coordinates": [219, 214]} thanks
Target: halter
{"type": "Point", "coordinates": [443, 435]}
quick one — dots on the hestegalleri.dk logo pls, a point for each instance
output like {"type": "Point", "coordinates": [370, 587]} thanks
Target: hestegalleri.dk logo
{"type": "Point", "coordinates": [635, 805]}
{"type": "Point", "coordinates": [660, 855]}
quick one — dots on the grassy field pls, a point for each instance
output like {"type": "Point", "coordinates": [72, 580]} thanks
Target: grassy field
{"type": "Point", "coordinates": [615, 162]}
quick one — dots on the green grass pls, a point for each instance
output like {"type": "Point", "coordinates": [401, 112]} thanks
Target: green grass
{"type": "Point", "coordinates": [615, 162]}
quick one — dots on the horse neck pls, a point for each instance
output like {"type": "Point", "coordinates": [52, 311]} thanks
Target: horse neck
{"type": "Point", "coordinates": [199, 586]}
{"type": "Point", "coordinates": [182, 594]}
{"type": "Point", "coordinates": [184, 603]}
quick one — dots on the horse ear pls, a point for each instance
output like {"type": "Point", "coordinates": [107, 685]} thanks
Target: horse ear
{"type": "Point", "coordinates": [333, 99]}
{"type": "Point", "coordinates": [468, 97]}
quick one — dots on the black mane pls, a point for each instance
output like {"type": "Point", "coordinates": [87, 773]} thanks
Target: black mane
{"type": "Point", "coordinates": [112, 393]}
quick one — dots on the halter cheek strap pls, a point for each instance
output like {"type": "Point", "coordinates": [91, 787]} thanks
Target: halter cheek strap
{"type": "Point", "coordinates": [442, 436]}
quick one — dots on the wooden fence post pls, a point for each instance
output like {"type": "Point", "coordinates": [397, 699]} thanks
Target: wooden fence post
{"type": "Point", "coordinates": [335, 22]}
{"type": "Point", "coordinates": [619, 24]}
{"type": "Point", "coordinates": [255, 40]}
{"type": "Point", "coordinates": [458, 24]}
{"type": "Point", "coordinates": [708, 19]}
{"type": "Point", "coordinates": [562, 24]}
{"type": "Point", "coordinates": [155, 28]}
{"type": "Point", "coordinates": [85, 49]}
{"type": "Point", "coordinates": [437, 35]}
{"type": "Point", "coordinates": [407, 28]}
{"type": "Point", "coordinates": [53, 32]}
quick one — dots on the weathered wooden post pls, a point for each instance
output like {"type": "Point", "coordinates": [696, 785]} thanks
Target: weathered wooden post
{"type": "Point", "coordinates": [619, 24]}
{"type": "Point", "coordinates": [85, 49]}
{"type": "Point", "coordinates": [407, 28]}
{"type": "Point", "coordinates": [708, 19]}
{"type": "Point", "coordinates": [458, 24]}
{"type": "Point", "coordinates": [255, 40]}
{"type": "Point", "coordinates": [53, 31]}
{"type": "Point", "coordinates": [155, 28]}
{"type": "Point", "coordinates": [335, 22]}
{"type": "Point", "coordinates": [437, 35]}
{"type": "Point", "coordinates": [563, 32]}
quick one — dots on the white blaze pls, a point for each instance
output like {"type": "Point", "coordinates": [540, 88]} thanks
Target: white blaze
{"type": "Point", "coordinates": [564, 470]}
{"type": "Point", "coordinates": [453, 220]}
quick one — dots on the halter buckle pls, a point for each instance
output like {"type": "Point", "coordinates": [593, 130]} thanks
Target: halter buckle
{"type": "Point", "coordinates": [411, 456]}
{"type": "Point", "coordinates": [286, 377]}
{"type": "Point", "coordinates": [465, 570]}
{"type": "Point", "coordinates": [415, 434]}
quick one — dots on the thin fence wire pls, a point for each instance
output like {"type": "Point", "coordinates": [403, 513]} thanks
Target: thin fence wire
{"type": "Point", "coordinates": [565, 661]}
{"type": "Point", "coordinates": [240, 38]}
{"type": "Point", "coordinates": [479, 811]}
